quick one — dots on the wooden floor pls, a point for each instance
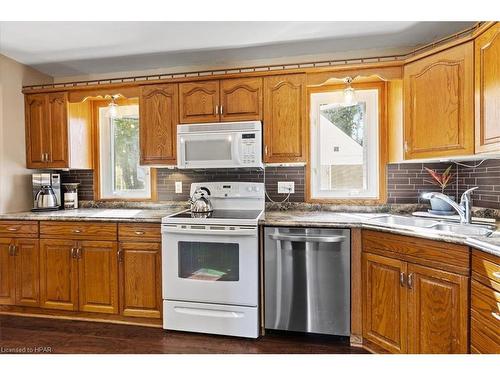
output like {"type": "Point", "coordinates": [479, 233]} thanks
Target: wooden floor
{"type": "Point", "coordinates": [63, 336]}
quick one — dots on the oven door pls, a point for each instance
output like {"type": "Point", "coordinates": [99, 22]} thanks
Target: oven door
{"type": "Point", "coordinates": [208, 150]}
{"type": "Point", "coordinates": [210, 265]}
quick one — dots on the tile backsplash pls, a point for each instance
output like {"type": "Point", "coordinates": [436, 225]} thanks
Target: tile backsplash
{"type": "Point", "coordinates": [405, 182]}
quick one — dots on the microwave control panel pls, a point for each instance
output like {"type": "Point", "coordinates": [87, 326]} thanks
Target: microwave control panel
{"type": "Point", "coordinates": [248, 148]}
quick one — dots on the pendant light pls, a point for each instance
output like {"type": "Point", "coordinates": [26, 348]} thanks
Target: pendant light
{"type": "Point", "coordinates": [349, 93]}
{"type": "Point", "coordinates": [112, 107]}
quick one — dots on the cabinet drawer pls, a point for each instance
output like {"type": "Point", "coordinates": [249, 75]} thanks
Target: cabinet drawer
{"type": "Point", "coordinates": [435, 254]}
{"type": "Point", "coordinates": [139, 232]}
{"type": "Point", "coordinates": [19, 228]}
{"type": "Point", "coordinates": [485, 310]}
{"type": "Point", "coordinates": [78, 230]}
{"type": "Point", "coordinates": [482, 340]}
{"type": "Point", "coordinates": [486, 269]}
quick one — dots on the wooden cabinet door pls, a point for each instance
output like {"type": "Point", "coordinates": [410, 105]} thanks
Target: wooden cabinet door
{"type": "Point", "coordinates": [98, 276]}
{"type": "Point", "coordinates": [438, 304]}
{"type": "Point", "coordinates": [199, 102]}
{"type": "Point", "coordinates": [438, 104]}
{"type": "Point", "coordinates": [37, 130]}
{"type": "Point", "coordinates": [241, 99]}
{"type": "Point", "coordinates": [58, 125]}
{"type": "Point", "coordinates": [7, 272]}
{"type": "Point", "coordinates": [384, 302]}
{"type": "Point", "coordinates": [159, 116]}
{"type": "Point", "coordinates": [58, 275]}
{"type": "Point", "coordinates": [284, 118]}
{"type": "Point", "coordinates": [487, 90]}
{"type": "Point", "coordinates": [27, 258]}
{"type": "Point", "coordinates": [140, 279]}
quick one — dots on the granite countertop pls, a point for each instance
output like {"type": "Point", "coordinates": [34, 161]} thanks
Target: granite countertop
{"type": "Point", "coordinates": [304, 218]}
{"type": "Point", "coordinates": [362, 220]}
{"type": "Point", "coordinates": [97, 214]}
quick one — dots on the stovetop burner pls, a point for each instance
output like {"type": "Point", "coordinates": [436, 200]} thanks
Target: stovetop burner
{"type": "Point", "coordinates": [220, 214]}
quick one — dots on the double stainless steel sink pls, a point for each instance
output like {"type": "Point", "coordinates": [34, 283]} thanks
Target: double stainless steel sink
{"type": "Point", "coordinates": [435, 226]}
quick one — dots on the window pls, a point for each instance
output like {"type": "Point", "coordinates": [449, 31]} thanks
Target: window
{"type": "Point", "coordinates": [121, 176]}
{"type": "Point", "coordinates": [345, 150]}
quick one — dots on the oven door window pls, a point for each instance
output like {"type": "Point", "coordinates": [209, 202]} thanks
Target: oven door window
{"type": "Point", "coordinates": [209, 261]}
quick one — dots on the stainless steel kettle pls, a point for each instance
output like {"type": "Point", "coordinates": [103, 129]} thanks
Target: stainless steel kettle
{"type": "Point", "coordinates": [46, 198]}
{"type": "Point", "coordinates": [200, 201]}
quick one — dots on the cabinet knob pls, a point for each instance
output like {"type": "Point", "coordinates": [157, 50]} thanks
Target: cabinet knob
{"type": "Point", "coordinates": [139, 232]}
{"type": "Point", "coordinates": [77, 231]}
{"type": "Point", "coordinates": [12, 229]}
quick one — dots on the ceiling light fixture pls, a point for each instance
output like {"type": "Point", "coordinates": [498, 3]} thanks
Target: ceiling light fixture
{"type": "Point", "coordinates": [349, 93]}
{"type": "Point", "coordinates": [113, 107]}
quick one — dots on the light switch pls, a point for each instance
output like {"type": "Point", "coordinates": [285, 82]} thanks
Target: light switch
{"type": "Point", "coordinates": [178, 187]}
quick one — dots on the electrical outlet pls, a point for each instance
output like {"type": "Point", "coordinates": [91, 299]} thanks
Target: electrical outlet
{"type": "Point", "coordinates": [178, 187]}
{"type": "Point", "coordinates": [285, 187]}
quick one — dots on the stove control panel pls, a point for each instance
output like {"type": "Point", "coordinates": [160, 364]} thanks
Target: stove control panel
{"type": "Point", "coordinates": [253, 190]}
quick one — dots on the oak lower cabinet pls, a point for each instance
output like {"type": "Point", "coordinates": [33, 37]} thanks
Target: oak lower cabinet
{"type": "Point", "coordinates": [140, 279]}
{"type": "Point", "coordinates": [19, 272]}
{"type": "Point", "coordinates": [285, 138]}
{"type": "Point", "coordinates": [159, 116]}
{"type": "Point", "coordinates": [409, 307]}
{"type": "Point", "coordinates": [79, 275]}
{"type": "Point", "coordinates": [487, 90]}
{"type": "Point", "coordinates": [439, 104]}
{"type": "Point", "coordinates": [384, 303]}
{"type": "Point", "coordinates": [98, 276]}
{"type": "Point", "coordinates": [485, 303]}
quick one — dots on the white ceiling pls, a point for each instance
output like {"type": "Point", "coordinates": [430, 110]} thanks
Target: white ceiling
{"type": "Point", "coordinates": [76, 48]}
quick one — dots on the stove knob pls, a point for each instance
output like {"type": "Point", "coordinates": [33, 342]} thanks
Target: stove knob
{"type": "Point", "coordinates": [256, 189]}
{"type": "Point", "coordinates": [249, 188]}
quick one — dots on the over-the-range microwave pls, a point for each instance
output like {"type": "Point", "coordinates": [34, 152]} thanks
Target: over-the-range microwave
{"type": "Point", "coordinates": [220, 145]}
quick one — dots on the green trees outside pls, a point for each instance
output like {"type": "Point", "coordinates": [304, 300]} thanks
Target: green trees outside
{"type": "Point", "coordinates": [349, 119]}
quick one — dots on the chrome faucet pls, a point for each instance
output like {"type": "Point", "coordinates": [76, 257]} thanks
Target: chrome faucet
{"type": "Point", "coordinates": [463, 209]}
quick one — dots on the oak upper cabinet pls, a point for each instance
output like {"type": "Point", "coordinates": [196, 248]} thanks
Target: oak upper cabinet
{"type": "Point", "coordinates": [284, 118]}
{"type": "Point", "coordinates": [58, 133]}
{"type": "Point", "coordinates": [487, 90]}
{"type": "Point", "coordinates": [159, 116]}
{"type": "Point", "coordinates": [438, 104]}
{"type": "Point", "coordinates": [199, 102]}
{"type": "Point", "coordinates": [437, 311]}
{"type": "Point", "coordinates": [140, 279]}
{"type": "Point", "coordinates": [98, 276]}
{"type": "Point", "coordinates": [241, 99]}
{"type": "Point", "coordinates": [7, 272]}
{"type": "Point", "coordinates": [384, 302]}
{"type": "Point", "coordinates": [58, 274]}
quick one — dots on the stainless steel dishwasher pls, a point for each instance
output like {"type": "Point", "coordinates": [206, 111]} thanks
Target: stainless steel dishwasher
{"type": "Point", "coordinates": [307, 280]}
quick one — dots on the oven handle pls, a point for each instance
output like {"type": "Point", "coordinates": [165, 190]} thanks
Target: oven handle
{"type": "Point", "coordinates": [214, 232]}
{"type": "Point", "coordinates": [292, 238]}
{"type": "Point", "coordinates": [208, 312]}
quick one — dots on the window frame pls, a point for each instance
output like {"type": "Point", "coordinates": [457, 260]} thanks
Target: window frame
{"type": "Point", "coordinates": [381, 87]}
{"type": "Point", "coordinates": [96, 106]}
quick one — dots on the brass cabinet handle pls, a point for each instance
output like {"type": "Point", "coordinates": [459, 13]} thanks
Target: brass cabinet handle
{"type": "Point", "coordinates": [15, 250]}
{"type": "Point", "coordinates": [77, 231]}
{"type": "Point", "coordinates": [402, 279]}
{"type": "Point", "coordinates": [73, 253]}
{"type": "Point", "coordinates": [139, 232]}
{"type": "Point", "coordinates": [496, 275]}
{"type": "Point", "coordinates": [13, 229]}
{"type": "Point", "coordinates": [495, 315]}
{"type": "Point", "coordinates": [410, 281]}
{"type": "Point", "coordinates": [120, 255]}
{"type": "Point", "coordinates": [11, 250]}
{"type": "Point", "coordinates": [79, 253]}
{"type": "Point", "coordinates": [216, 109]}
{"type": "Point", "coordinates": [265, 150]}
{"type": "Point", "coordinates": [221, 108]}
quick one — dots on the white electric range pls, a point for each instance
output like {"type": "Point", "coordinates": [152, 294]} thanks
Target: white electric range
{"type": "Point", "coordinates": [210, 263]}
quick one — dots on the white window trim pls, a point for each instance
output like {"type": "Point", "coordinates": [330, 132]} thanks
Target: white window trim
{"type": "Point", "coordinates": [371, 151]}
{"type": "Point", "coordinates": [106, 171]}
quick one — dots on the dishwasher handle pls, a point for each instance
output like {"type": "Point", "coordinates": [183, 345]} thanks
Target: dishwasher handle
{"type": "Point", "coordinates": [306, 238]}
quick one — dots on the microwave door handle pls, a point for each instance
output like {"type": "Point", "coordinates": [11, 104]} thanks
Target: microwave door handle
{"type": "Point", "coordinates": [237, 149]}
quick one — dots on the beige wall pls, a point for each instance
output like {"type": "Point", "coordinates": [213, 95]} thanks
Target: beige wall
{"type": "Point", "coordinates": [15, 183]}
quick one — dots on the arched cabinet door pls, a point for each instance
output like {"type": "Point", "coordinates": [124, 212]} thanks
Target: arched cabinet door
{"type": "Point", "coordinates": [284, 118]}
{"type": "Point", "coordinates": [241, 99]}
{"type": "Point", "coordinates": [159, 116]}
{"type": "Point", "coordinates": [199, 102]}
{"type": "Point", "coordinates": [438, 104]}
{"type": "Point", "coordinates": [487, 90]}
